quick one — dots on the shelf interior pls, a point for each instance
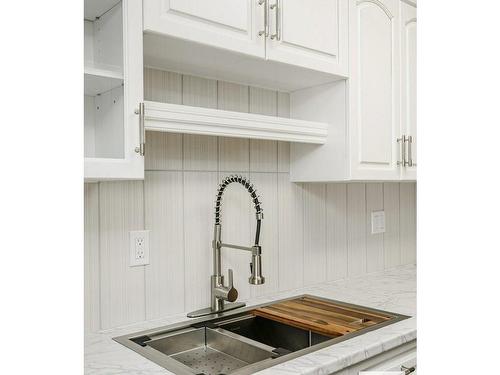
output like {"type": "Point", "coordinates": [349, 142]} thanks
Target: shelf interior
{"type": "Point", "coordinates": [98, 81]}
{"type": "Point", "coordinates": [103, 79]}
{"type": "Point", "coordinates": [103, 124]}
{"type": "Point", "coordinates": [93, 9]}
{"type": "Point", "coordinates": [103, 41]}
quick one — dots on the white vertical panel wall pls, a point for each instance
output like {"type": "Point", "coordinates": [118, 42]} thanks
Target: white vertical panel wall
{"type": "Point", "coordinates": [164, 197]}
{"type": "Point", "coordinates": [336, 231]}
{"type": "Point", "coordinates": [374, 242]}
{"type": "Point", "coordinates": [198, 231]}
{"type": "Point", "coordinates": [311, 232]}
{"type": "Point", "coordinates": [91, 257]}
{"type": "Point", "coordinates": [122, 288]}
{"type": "Point", "coordinates": [314, 198]}
{"type": "Point", "coordinates": [356, 229]}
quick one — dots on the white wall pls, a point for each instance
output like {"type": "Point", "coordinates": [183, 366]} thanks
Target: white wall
{"type": "Point", "coordinates": [311, 232]}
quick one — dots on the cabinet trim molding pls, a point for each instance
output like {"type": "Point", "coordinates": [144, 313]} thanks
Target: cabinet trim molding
{"type": "Point", "coordinates": [177, 118]}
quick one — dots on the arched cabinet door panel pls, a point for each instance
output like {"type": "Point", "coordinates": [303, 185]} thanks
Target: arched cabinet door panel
{"type": "Point", "coordinates": [409, 84]}
{"type": "Point", "coordinates": [374, 89]}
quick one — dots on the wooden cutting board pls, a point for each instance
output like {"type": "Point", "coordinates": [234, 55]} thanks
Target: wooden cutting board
{"type": "Point", "coordinates": [320, 316]}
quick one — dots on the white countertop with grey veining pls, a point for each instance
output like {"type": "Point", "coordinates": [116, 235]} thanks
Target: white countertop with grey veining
{"type": "Point", "coordinates": [393, 290]}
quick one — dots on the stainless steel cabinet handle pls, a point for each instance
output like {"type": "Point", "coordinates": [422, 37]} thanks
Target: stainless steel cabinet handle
{"type": "Point", "coordinates": [277, 26]}
{"type": "Point", "coordinates": [402, 161]}
{"type": "Point", "coordinates": [410, 157]}
{"type": "Point", "coordinates": [142, 131]}
{"type": "Point", "coordinates": [408, 370]}
{"type": "Point", "coordinates": [265, 32]}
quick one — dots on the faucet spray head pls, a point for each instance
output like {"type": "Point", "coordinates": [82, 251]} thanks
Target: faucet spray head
{"type": "Point", "coordinates": [256, 277]}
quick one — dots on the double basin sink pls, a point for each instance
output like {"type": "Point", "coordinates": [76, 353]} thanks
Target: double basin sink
{"type": "Point", "coordinates": [236, 342]}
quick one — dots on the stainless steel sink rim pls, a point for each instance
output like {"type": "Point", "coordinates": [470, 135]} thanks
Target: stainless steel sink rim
{"type": "Point", "coordinates": [179, 368]}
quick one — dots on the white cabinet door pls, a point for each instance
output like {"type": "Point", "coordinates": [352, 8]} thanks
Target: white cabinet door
{"type": "Point", "coordinates": [409, 84]}
{"type": "Point", "coordinates": [227, 24]}
{"type": "Point", "coordinates": [309, 33]}
{"type": "Point", "coordinates": [392, 360]}
{"type": "Point", "coordinates": [374, 87]}
{"type": "Point", "coordinates": [402, 362]}
{"type": "Point", "coordinates": [112, 93]}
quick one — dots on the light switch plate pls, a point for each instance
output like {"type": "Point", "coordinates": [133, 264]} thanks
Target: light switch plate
{"type": "Point", "coordinates": [378, 222]}
{"type": "Point", "coordinates": [139, 247]}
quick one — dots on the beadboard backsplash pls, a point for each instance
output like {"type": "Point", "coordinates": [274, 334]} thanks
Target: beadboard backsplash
{"type": "Point", "coordinates": [311, 232]}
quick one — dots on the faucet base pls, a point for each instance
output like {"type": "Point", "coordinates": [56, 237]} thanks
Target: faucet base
{"type": "Point", "coordinates": [209, 311]}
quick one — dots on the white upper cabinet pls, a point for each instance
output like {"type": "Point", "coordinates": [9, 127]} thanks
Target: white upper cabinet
{"type": "Point", "coordinates": [374, 86]}
{"type": "Point", "coordinates": [409, 87]}
{"type": "Point", "coordinates": [368, 113]}
{"type": "Point", "coordinates": [349, 66]}
{"type": "Point", "coordinates": [227, 24]}
{"type": "Point", "coordinates": [277, 44]}
{"type": "Point", "coordinates": [309, 33]}
{"type": "Point", "coordinates": [112, 89]}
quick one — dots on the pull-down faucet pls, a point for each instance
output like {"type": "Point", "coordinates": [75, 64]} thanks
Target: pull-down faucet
{"type": "Point", "coordinates": [219, 292]}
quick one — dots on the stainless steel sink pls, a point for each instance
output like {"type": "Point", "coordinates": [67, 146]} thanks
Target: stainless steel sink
{"type": "Point", "coordinates": [233, 342]}
{"type": "Point", "coordinates": [277, 335]}
{"type": "Point", "coordinates": [210, 351]}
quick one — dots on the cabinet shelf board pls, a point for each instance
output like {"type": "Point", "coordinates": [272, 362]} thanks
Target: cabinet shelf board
{"type": "Point", "coordinates": [176, 118]}
{"type": "Point", "coordinates": [97, 80]}
{"type": "Point", "coordinates": [104, 71]}
{"type": "Point", "coordinates": [96, 8]}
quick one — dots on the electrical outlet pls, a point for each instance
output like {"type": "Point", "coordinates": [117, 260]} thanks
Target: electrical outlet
{"type": "Point", "coordinates": [139, 247]}
{"type": "Point", "coordinates": [378, 222]}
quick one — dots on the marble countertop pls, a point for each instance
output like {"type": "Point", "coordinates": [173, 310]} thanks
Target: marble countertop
{"type": "Point", "coordinates": [393, 290]}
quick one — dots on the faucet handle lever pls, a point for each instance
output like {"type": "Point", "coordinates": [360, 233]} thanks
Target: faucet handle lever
{"type": "Point", "coordinates": [230, 278]}
{"type": "Point", "coordinates": [232, 293]}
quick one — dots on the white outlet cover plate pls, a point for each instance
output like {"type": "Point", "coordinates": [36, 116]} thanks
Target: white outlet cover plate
{"type": "Point", "coordinates": [378, 222]}
{"type": "Point", "coordinates": [135, 236]}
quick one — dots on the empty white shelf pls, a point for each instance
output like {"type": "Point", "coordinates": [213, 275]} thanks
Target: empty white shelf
{"type": "Point", "coordinates": [96, 8]}
{"type": "Point", "coordinates": [176, 118]}
{"type": "Point", "coordinates": [97, 80]}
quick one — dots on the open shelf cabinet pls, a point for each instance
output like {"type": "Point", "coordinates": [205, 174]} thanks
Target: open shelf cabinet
{"type": "Point", "coordinates": [112, 89]}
